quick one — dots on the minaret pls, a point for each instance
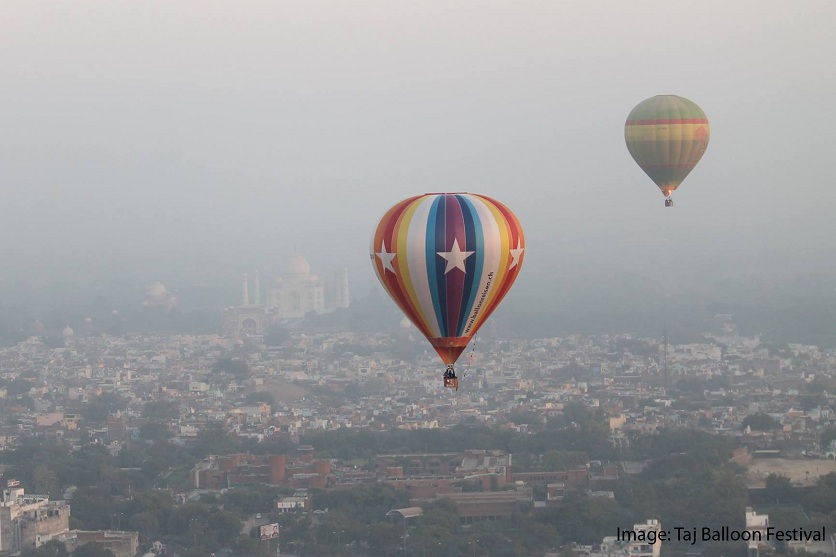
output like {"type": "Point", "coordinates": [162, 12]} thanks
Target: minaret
{"type": "Point", "coordinates": [344, 288]}
{"type": "Point", "coordinates": [246, 292]}
{"type": "Point", "coordinates": [257, 290]}
{"type": "Point", "coordinates": [336, 292]}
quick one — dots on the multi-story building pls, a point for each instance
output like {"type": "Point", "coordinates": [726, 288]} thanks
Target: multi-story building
{"type": "Point", "coordinates": [121, 544]}
{"type": "Point", "coordinates": [756, 526]}
{"type": "Point", "coordinates": [29, 521]}
{"type": "Point", "coordinates": [218, 472]}
{"type": "Point", "coordinates": [629, 544]}
{"type": "Point", "coordinates": [642, 548]}
{"type": "Point", "coordinates": [458, 465]}
{"type": "Point", "coordinates": [300, 501]}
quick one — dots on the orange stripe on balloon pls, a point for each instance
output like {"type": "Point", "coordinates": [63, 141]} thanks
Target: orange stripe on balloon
{"type": "Point", "coordinates": [388, 232]}
{"type": "Point", "coordinates": [514, 232]}
{"type": "Point", "coordinates": [661, 121]}
{"type": "Point", "coordinates": [405, 282]}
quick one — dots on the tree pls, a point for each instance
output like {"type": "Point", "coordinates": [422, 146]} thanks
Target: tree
{"type": "Point", "coordinates": [235, 367]}
{"type": "Point", "coordinates": [563, 460]}
{"type": "Point", "coordinates": [441, 517]}
{"type": "Point", "coordinates": [146, 524]}
{"type": "Point", "coordinates": [92, 550]}
{"type": "Point", "coordinates": [224, 525]}
{"type": "Point", "coordinates": [760, 422]}
{"type": "Point", "coordinates": [45, 480]}
{"type": "Point", "coordinates": [213, 439]}
{"type": "Point", "coordinates": [779, 488]}
{"type": "Point", "coordinates": [247, 500]}
{"type": "Point", "coordinates": [17, 387]}
{"type": "Point", "coordinates": [106, 403]}
{"type": "Point", "coordinates": [577, 413]}
{"type": "Point", "coordinates": [260, 396]}
{"type": "Point", "coordinates": [92, 508]}
{"type": "Point", "coordinates": [827, 436]}
{"type": "Point", "coordinates": [821, 385]}
{"type": "Point", "coordinates": [276, 335]}
{"type": "Point", "coordinates": [154, 431]}
{"type": "Point", "coordinates": [197, 552]}
{"type": "Point", "coordinates": [161, 410]}
{"type": "Point", "coordinates": [385, 538]}
{"type": "Point", "coordinates": [52, 548]}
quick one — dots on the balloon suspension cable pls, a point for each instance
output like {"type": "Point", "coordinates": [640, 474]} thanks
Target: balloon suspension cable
{"type": "Point", "coordinates": [470, 359]}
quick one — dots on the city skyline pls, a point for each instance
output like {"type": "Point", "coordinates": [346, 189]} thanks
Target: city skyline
{"type": "Point", "coordinates": [196, 353]}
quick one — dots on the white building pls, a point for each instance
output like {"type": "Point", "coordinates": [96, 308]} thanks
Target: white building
{"type": "Point", "coordinates": [293, 295]}
{"type": "Point", "coordinates": [639, 544]}
{"type": "Point", "coordinates": [297, 292]}
{"type": "Point", "coordinates": [756, 523]}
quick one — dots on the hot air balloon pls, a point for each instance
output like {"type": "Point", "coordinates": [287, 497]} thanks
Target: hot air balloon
{"type": "Point", "coordinates": [667, 135]}
{"type": "Point", "coordinates": [447, 260]}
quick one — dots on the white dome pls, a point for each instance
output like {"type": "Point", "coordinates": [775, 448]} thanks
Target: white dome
{"type": "Point", "coordinates": [298, 265]}
{"type": "Point", "coordinates": [68, 331]}
{"type": "Point", "coordinates": [157, 290]}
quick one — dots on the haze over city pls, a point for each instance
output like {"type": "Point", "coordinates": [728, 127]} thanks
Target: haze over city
{"type": "Point", "coordinates": [180, 140]}
{"type": "Point", "coordinates": [197, 358]}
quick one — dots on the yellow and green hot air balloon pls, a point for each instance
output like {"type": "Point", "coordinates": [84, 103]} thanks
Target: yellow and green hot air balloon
{"type": "Point", "coordinates": [667, 136]}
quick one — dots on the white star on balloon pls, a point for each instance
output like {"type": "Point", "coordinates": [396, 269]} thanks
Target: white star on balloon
{"type": "Point", "coordinates": [455, 257]}
{"type": "Point", "coordinates": [386, 258]}
{"type": "Point", "coordinates": [516, 253]}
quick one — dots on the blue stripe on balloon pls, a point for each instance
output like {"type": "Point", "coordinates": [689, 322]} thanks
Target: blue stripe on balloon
{"type": "Point", "coordinates": [474, 264]}
{"type": "Point", "coordinates": [441, 244]}
{"type": "Point", "coordinates": [435, 232]}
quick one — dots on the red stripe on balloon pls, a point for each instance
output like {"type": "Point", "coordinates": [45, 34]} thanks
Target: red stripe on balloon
{"type": "Point", "coordinates": [454, 280]}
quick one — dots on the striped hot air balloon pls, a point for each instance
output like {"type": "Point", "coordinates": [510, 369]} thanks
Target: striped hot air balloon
{"type": "Point", "coordinates": [447, 260]}
{"type": "Point", "coordinates": [667, 136]}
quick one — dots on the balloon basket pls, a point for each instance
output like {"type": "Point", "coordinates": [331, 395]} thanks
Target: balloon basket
{"type": "Point", "coordinates": [451, 383]}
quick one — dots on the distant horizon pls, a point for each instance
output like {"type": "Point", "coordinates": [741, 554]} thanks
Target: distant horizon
{"type": "Point", "coordinates": [793, 309]}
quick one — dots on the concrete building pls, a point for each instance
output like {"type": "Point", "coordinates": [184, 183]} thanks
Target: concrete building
{"type": "Point", "coordinates": [577, 478]}
{"type": "Point", "coordinates": [478, 506]}
{"type": "Point", "coordinates": [121, 544]}
{"type": "Point", "coordinates": [300, 501]}
{"type": "Point", "coordinates": [756, 523]}
{"type": "Point", "coordinates": [29, 521]}
{"type": "Point", "coordinates": [643, 548]}
{"type": "Point", "coordinates": [217, 472]}
{"type": "Point", "coordinates": [636, 546]}
{"type": "Point", "coordinates": [468, 463]}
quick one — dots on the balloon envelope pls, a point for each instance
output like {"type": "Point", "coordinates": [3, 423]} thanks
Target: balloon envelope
{"type": "Point", "coordinates": [447, 260]}
{"type": "Point", "coordinates": [667, 136]}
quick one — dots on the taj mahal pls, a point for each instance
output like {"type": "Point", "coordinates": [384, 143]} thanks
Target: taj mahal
{"type": "Point", "coordinates": [293, 295]}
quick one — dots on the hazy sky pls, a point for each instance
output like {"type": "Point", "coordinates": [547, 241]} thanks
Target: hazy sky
{"type": "Point", "coordinates": [151, 134]}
